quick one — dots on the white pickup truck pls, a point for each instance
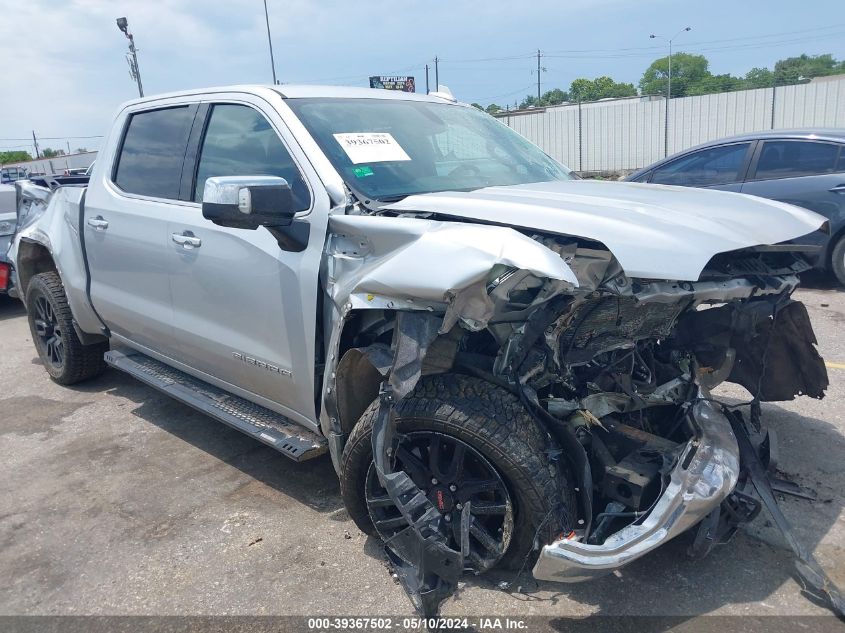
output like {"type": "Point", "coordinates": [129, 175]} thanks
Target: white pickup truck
{"type": "Point", "coordinates": [506, 363]}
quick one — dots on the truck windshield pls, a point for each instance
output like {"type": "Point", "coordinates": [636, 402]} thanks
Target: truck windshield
{"type": "Point", "coordinates": [387, 149]}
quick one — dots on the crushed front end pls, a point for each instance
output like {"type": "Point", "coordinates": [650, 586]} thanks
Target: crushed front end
{"type": "Point", "coordinates": [618, 370]}
{"type": "Point", "coordinates": [632, 366]}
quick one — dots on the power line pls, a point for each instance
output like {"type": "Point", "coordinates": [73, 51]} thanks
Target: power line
{"type": "Point", "coordinates": [489, 59]}
{"type": "Point", "coordinates": [508, 94]}
{"type": "Point", "coordinates": [52, 138]}
{"type": "Point", "coordinates": [690, 47]}
{"type": "Point", "coordinates": [362, 76]}
{"type": "Point", "coordinates": [753, 45]}
{"type": "Point", "coordinates": [698, 43]}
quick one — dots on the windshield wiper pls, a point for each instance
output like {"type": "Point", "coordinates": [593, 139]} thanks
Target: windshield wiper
{"type": "Point", "coordinates": [394, 198]}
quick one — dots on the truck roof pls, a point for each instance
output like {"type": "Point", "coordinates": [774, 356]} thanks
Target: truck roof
{"type": "Point", "coordinates": [300, 91]}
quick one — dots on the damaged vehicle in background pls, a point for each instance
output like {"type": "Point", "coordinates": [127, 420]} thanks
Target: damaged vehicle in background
{"type": "Point", "coordinates": [8, 223]}
{"type": "Point", "coordinates": [508, 366]}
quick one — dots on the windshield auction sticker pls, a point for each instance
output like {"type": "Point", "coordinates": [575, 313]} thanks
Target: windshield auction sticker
{"type": "Point", "coordinates": [371, 147]}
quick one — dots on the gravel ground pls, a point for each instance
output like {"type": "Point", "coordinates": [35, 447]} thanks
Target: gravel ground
{"type": "Point", "coordinates": [119, 501]}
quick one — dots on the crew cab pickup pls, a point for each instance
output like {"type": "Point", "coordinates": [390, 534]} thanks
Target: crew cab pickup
{"type": "Point", "coordinates": [505, 363]}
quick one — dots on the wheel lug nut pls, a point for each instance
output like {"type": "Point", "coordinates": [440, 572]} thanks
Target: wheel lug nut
{"type": "Point", "coordinates": [453, 487]}
{"type": "Point", "coordinates": [433, 481]}
{"type": "Point", "coordinates": [448, 518]}
{"type": "Point", "coordinates": [459, 506]}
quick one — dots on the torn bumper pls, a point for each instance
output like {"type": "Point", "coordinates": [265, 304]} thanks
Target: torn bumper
{"type": "Point", "coordinates": [705, 473]}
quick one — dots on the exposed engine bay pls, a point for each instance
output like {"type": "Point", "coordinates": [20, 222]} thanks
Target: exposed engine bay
{"type": "Point", "coordinates": [619, 372]}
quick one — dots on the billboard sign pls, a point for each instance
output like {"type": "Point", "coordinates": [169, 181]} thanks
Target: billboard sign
{"type": "Point", "coordinates": [405, 84]}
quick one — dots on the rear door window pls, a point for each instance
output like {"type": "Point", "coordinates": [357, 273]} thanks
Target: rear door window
{"type": "Point", "coordinates": [790, 159]}
{"type": "Point", "coordinates": [712, 166]}
{"type": "Point", "coordinates": [150, 160]}
{"type": "Point", "coordinates": [239, 141]}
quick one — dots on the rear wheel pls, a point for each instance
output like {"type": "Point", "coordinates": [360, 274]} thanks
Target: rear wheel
{"type": "Point", "coordinates": [837, 260]}
{"type": "Point", "coordinates": [465, 440]}
{"type": "Point", "coordinates": [65, 358]}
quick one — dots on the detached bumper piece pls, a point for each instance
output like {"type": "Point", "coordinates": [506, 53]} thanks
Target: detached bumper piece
{"type": "Point", "coordinates": [424, 563]}
{"type": "Point", "coordinates": [705, 474]}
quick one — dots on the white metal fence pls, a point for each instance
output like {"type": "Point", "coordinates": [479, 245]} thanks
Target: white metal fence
{"type": "Point", "coordinates": [623, 134]}
{"type": "Point", "coordinates": [57, 165]}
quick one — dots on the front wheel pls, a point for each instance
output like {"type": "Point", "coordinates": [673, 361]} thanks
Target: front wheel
{"type": "Point", "coordinates": [65, 358]}
{"type": "Point", "coordinates": [464, 440]}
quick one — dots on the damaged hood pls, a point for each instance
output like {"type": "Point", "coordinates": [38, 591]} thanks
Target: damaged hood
{"type": "Point", "coordinates": [654, 231]}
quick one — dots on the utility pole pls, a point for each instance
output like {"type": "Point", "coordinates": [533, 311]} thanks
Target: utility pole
{"type": "Point", "coordinates": [426, 79]}
{"type": "Point", "coordinates": [436, 74]}
{"type": "Point", "coordinates": [774, 94]}
{"type": "Point", "coordinates": [68, 146]}
{"type": "Point", "coordinates": [668, 88]}
{"type": "Point", "coordinates": [270, 42]}
{"type": "Point", "coordinates": [131, 57]}
{"type": "Point", "coordinates": [668, 99]}
{"type": "Point", "coordinates": [35, 142]}
{"type": "Point", "coordinates": [580, 139]}
{"type": "Point", "coordinates": [538, 77]}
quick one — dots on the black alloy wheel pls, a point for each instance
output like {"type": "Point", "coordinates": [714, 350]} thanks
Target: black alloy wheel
{"type": "Point", "coordinates": [452, 474]}
{"type": "Point", "coordinates": [49, 333]}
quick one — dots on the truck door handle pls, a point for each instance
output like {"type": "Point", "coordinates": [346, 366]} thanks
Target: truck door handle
{"type": "Point", "coordinates": [186, 240]}
{"type": "Point", "coordinates": [838, 189]}
{"type": "Point", "coordinates": [98, 223]}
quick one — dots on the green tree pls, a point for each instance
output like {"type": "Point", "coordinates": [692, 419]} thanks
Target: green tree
{"type": "Point", "coordinates": [80, 150]}
{"type": "Point", "coordinates": [759, 78]}
{"type": "Point", "coordinates": [686, 70]}
{"type": "Point", "coordinates": [714, 83]}
{"type": "Point", "coordinates": [605, 88]}
{"type": "Point", "coordinates": [793, 70]}
{"type": "Point", "coordinates": [599, 88]}
{"type": "Point", "coordinates": [52, 153]}
{"type": "Point", "coordinates": [581, 89]}
{"type": "Point", "coordinates": [493, 108]}
{"type": "Point", "coordinates": [530, 100]}
{"type": "Point", "coordinates": [17, 156]}
{"type": "Point", "coordinates": [555, 96]}
{"type": "Point", "coordinates": [477, 105]}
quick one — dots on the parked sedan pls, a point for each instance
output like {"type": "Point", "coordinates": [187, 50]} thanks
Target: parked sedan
{"type": "Point", "coordinates": [801, 167]}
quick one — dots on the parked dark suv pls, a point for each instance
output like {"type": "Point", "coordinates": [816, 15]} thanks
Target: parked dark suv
{"type": "Point", "coordinates": [802, 167]}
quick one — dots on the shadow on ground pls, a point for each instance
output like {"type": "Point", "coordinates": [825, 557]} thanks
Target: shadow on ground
{"type": "Point", "coordinates": [820, 280]}
{"type": "Point", "coordinates": [10, 308]}
{"type": "Point", "coordinates": [312, 483]}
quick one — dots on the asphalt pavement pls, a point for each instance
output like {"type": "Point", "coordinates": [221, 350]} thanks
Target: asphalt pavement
{"type": "Point", "coordinates": [117, 500]}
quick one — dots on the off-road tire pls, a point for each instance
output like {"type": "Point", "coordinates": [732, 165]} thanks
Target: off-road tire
{"type": "Point", "coordinates": [495, 423]}
{"type": "Point", "coordinates": [81, 362]}
{"type": "Point", "coordinates": [837, 260]}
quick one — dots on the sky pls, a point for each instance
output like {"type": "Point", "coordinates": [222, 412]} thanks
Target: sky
{"type": "Point", "coordinates": [63, 71]}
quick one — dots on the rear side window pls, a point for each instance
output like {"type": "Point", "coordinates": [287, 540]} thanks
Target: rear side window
{"type": "Point", "coordinates": [789, 159]}
{"type": "Point", "coordinates": [150, 161]}
{"type": "Point", "coordinates": [239, 141]}
{"type": "Point", "coordinates": [713, 166]}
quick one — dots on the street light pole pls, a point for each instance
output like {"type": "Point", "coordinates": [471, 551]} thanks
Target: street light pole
{"type": "Point", "coordinates": [668, 88]}
{"type": "Point", "coordinates": [270, 42]}
{"type": "Point", "coordinates": [132, 58]}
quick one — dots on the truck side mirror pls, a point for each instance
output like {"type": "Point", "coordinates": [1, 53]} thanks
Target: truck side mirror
{"type": "Point", "coordinates": [247, 202]}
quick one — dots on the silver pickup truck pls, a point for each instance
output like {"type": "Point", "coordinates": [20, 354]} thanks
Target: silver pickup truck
{"type": "Point", "coordinates": [508, 365]}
